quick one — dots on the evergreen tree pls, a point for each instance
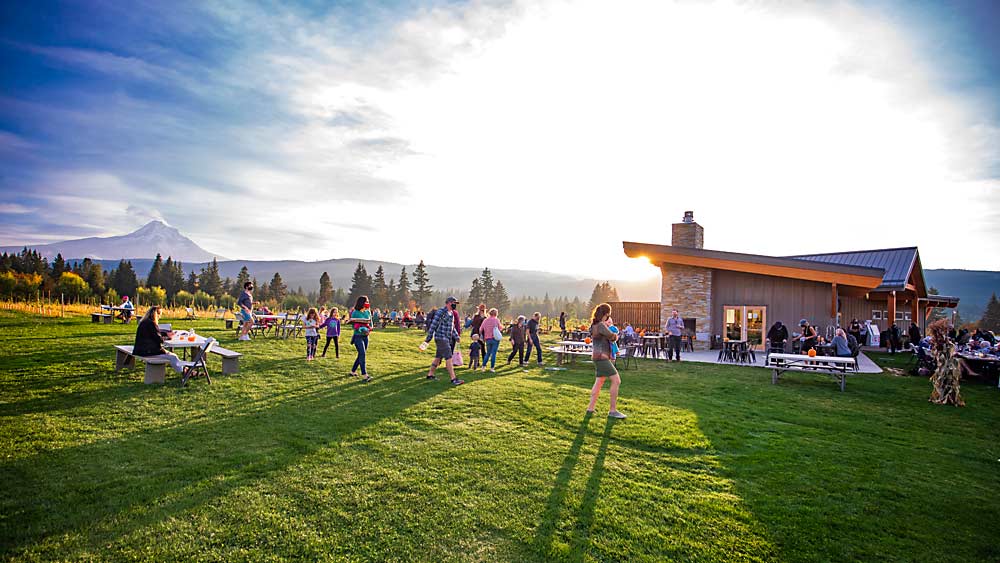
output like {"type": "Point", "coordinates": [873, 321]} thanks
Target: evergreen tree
{"type": "Point", "coordinates": [124, 279]}
{"type": "Point", "coordinates": [991, 317]}
{"type": "Point", "coordinates": [340, 296]}
{"type": "Point", "coordinates": [277, 290]}
{"type": "Point", "coordinates": [476, 294]}
{"type": "Point", "coordinates": [403, 294]}
{"type": "Point", "coordinates": [209, 281]}
{"type": "Point", "coordinates": [361, 284]}
{"type": "Point", "coordinates": [227, 286]}
{"type": "Point", "coordinates": [486, 284]}
{"type": "Point", "coordinates": [91, 273]}
{"type": "Point", "coordinates": [325, 289]}
{"type": "Point", "coordinates": [192, 283]}
{"type": "Point", "coordinates": [393, 294]}
{"type": "Point", "coordinates": [241, 278]}
{"type": "Point", "coordinates": [380, 291]}
{"type": "Point", "coordinates": [260, 292]}
{"type": "Point", "coordinates": [155, 277]}
{"type": "Point", "coordinates": [422, 287]}
{"type": "Point", "coordinates": [58, 266]}
{"type": "Point", "coordinates": [603, 293]}
{"type": "Point", "coordinates": [500, 298]}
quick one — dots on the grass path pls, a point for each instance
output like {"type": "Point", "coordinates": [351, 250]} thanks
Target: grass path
{"type": "Point", "coordinates": [292, 460]}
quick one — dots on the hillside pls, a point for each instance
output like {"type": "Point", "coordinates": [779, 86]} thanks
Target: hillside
{"type": "Point", "coordinates": [973, 287]}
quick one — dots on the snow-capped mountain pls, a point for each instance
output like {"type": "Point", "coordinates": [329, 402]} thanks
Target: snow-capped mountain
{"type": "Point", "coordinates": [154, 237]}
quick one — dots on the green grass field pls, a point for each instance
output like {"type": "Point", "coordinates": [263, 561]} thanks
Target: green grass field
{"type": "Point", "coordinates": [292, 460]}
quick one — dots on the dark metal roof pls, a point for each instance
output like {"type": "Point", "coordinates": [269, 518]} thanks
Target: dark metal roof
{"type": "Point", "coordinates": [896, 262]}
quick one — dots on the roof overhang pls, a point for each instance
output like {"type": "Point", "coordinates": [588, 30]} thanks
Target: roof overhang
{"type": "Point", "coordinates": [939, 301]}
{"type": "Point", "coordinates": [756, 264]}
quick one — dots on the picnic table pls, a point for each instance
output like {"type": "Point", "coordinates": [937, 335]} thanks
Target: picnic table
{"type": "Point", "coordinates": [121, 315]}
{"type": "Point", "coordinates": [992, 363]}
{"type": "Point", "coordinates": [569, 348]}
{"type": "Point", "coordinates": [156, 369]}
{"type": "Point", "coordinates": [836, 366]}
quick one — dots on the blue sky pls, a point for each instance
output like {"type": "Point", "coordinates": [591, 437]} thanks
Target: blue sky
{"type": "Point", "coordinates": [319, 130]}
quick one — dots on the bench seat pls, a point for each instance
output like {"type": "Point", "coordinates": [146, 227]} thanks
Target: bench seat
{"type": "Point", "coordinates": [156, 368]}
{"type": "Point", "coordinates": [230, 360]}
{"type": "Point", "coordinates": [100, 317]}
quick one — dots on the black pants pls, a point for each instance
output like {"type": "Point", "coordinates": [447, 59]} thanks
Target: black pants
{"type": "Point", "coordinates": [533, 340]}
{"type": "Point", "coordinates": [517, 351]}
{"type": "Point", "coordinates": [893, 345]}
{"type": "Point", "coordinates": [336, 345]}
{"type": "Point", "coordinates": [674, 347]}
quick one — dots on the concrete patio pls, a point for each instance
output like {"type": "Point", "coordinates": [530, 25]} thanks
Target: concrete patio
{"type": "Point", "coordinates": [865, 364]}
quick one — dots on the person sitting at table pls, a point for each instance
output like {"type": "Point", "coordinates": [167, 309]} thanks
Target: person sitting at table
{"type": "Point", "coordinates": [777, 335]}
{"type": "Point", "coordinates": [127, 309]}
{"type": "Point", "coordinates": [149, 340]}
{"type": "Point", "coordinates": [628, 335]}
{"type": "Point", "coordinates": [842, 347]}
{"type": "Point", "coordinates": [985, 335]}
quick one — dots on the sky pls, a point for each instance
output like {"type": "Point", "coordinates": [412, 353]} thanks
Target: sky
{"type": "Point", "coordinates": [509, 134]}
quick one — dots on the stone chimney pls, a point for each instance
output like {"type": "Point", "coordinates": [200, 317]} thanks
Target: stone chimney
{"type": "Point", "coordinates": [688, 233]}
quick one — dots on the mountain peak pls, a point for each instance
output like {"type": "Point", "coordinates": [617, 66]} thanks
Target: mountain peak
{"type": "Point", "coordinates": [155, 226]}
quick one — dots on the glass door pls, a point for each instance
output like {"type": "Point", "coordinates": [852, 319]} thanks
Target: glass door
{"type": "Point", "coordinates": [756, 321]}
{"type": "Point", "coordinates": [746, 322]}
{"type": "Point", "coordinates": [734, 323]}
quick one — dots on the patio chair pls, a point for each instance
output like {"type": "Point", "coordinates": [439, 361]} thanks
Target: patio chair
{"type": "Point", "coordinates": [628, 354]}
{"type": "Point", "coordinates": [191, 315]}
{"type": "Point", "coordinates": [197, 366]}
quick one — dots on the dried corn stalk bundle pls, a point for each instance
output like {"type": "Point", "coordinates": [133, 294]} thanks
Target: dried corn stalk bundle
{"type": "Point", "coordinates": [947, 375]}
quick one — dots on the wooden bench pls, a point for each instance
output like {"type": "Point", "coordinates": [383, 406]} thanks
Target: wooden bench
{"type": "Point", "coordinates": [156, 368]}
{"type": "Point", "coordinates": [836, 366]}
{"type": "Point", "coordinates": [230, 360]}
{"type": "Point", "coordinates": [101, 317]}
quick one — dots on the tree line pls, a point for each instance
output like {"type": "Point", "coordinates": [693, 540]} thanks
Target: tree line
{"type": "Point", "coordinates": [24, 274]}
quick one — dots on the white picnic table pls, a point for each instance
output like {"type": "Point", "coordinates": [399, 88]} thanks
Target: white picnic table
{"type": "Point", "coordinates": [570, 348]}
{"type": "Point", "coordinates": [180, 341]}
{"type": "Point", "coordinates": [837, 366]}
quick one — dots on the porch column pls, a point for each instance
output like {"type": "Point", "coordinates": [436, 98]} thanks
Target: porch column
{"type": "Point", "coordinates": [833, 302]}
{"type": "Point", "coordinates": [892, 310]}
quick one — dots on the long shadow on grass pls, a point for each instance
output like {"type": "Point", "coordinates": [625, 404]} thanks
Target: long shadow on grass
{"type": "Point", "coordinates": [109, 489]}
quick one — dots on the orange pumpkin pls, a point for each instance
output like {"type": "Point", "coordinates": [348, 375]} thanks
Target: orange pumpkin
{"type": "Point", "coordinates": [812, 352]}
{"type": "Point", "coordinates": [586, 340]}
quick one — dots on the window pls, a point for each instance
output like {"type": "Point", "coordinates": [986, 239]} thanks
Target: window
{"type": "Point", "coordinates": [876, 315]}
{"type": "Point", "coordinates": [906, 316]}
{"type": "Point", "coordinates": [899, 315]}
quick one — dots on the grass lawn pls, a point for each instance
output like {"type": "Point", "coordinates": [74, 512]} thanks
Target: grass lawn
{"type": "Point", "coordinates": [292, 460]}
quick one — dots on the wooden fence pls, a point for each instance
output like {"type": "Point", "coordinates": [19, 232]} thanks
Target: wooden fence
{"type": "Point", "coordinates": [642, 315]}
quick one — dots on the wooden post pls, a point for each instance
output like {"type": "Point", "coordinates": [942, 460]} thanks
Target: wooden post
{"type": "Point", "coordinates": [892, 310]}
{"type": "Point", "coordinates": [833, 302]}
{"type": "Point", "coordinates": [914, 309]}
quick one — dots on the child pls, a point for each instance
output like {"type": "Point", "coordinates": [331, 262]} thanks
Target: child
{"type": "Point", "coordinates": [475, 351]}
{"type": "Point", "coordinates": [311, 324]}
{"type": "Point", "coordinates": [332, 324]}
{"type": "Point", "coordinates": [614, 345]}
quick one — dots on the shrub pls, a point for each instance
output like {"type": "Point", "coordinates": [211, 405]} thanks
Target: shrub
{"type": "Point", "coordinates": [151, 295]}
{"type": "Point", "coordinates": [227, 301]}
{"type": "Point", "coordinates": [295, 302]}
{"type": "Point", "coordinates": [111, 296]}
{"type": "Point", "coordinates": [183, 299]}
{"type": "Point", "coordinates": [72, 286]}
{"type": "Point", "coordinates": [203, 300]}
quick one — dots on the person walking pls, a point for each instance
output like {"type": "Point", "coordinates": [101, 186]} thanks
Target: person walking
{"type": "Point", "coordinates": [245, 303]}
{"type": "Point", "coordinates": [332, 324]}
{"type": "Point", "coordinates": [914, 334]}
{"type": "Point", "coordinates": [517, 341]}
{"type": "Point", "coordinates": [854, 329]}
{"type": "Point", "coordinates": [675, 328]}
{"type": "Point", "coordinates": [477, 321]}
{"type": "Point", "coordinates": [361, 320]}
{"type": "Point", "coordinates": [562, 325]}
{"type": "Point", "coordinates": [601, 338]}
{"type": "Point", "coordinates": [491, 331]}
{"type": "Point", "coordinates": [777, 336]}
{"type": "Point", "coordinates": [532, 338]}
{"type": "Point", "coordinates": [442, 331]}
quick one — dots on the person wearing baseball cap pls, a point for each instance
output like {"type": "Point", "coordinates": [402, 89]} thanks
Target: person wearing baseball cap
{"type": "Point", "coordinates": [442, 331]}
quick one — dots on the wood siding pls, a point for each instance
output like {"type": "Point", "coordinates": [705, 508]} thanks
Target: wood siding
{"type": "Point", "coordinates": [787, 300]}
{"type": "Point", "coordinates": [642, 315]}
{"type": "Point", "coordinates": [861, 309]}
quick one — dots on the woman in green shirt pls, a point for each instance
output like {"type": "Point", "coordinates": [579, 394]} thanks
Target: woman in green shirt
{"type": "Point", "coordinates": [361, 320]}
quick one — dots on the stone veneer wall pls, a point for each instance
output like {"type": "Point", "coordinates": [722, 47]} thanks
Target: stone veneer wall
{"type": "Point", "coordinates": [689, 290]}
